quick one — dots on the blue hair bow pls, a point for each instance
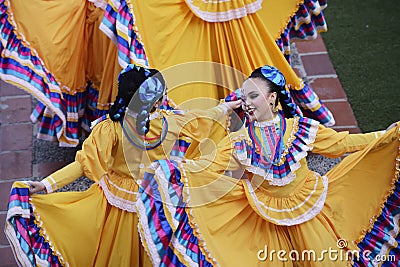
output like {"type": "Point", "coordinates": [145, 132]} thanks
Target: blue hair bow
{"type": "Point", "coordinates": [151, 90]}
{"type": "Point", "coordinates": [273, 75]}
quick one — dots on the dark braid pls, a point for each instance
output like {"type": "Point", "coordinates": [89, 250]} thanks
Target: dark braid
{"type": "Point", "coordinates": [274, 88]}
{"type": "Point", "coordinates": [128, 83]}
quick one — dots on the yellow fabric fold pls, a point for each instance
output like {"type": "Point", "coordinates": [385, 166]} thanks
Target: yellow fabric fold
{"type": "Point", "coordinates": [360, 184]}
{"type": "Point", "coordinates": [65, 36]}
{"type": "Point", "coordinates": [218, 11]}
{"type": "Point", "coordinates": [335, 144]}
{"type": "Point", "coordinates": [58, 36]}
{"type": "Point", "coordinates": [96, 154]}
{"type": "Point", "coordinates": [65, 175]}
{"type": "Point", "coordinates": [299, 206]}
{"type": "Point", "coordinates": [243, 44]}
{"type": "Point", "coordinates": [83, 227]}
{"type": "Point", "coordinates": [229, 217]}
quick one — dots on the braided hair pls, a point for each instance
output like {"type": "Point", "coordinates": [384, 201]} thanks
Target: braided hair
{"type": "Point", "coordinates": [130, 80]}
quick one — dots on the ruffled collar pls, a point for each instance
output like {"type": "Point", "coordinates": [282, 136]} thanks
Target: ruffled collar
{"type": "Point", "coordinates": [282, 172]}
{"type": "Point", "coordinates": [271, 122]}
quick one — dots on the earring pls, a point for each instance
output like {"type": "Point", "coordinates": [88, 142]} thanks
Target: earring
{"type": "Point", "coordinates": [274, 107]}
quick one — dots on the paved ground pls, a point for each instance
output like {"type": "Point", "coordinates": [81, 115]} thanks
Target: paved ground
{"type": "Point", "coordinates": [23, 156]}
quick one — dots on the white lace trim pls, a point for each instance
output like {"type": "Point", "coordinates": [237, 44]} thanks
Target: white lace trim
{"type": "Point", "coordinates": [269, 176]}
{"type": "Point", "coordinates": [119, 188]}
{"type": "Point", "coordinates": [99, 3]}
{"type": "Point", "coordinates": [298, 206]}
{"type": "Point", "coordinates": [176, 158]}
{"type": "Point", "coordinates": [145, 233]}
{"type": "Point", "coordinates": [182, 250]}
{"type": "Point", "coordinates": [227, 15]}
{"type": "Point", "coordinates": [274, 121]}
{"type": "Point", "coordinates": [196, 227]}
{"type": "Point", "coordinates": [308, 215]}
{"type": "Point", "coordinates": [115, 201]}
{"type": "Point", "coordinates": [46, 237]}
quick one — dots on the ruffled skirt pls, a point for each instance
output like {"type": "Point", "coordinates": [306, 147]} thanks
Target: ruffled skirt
{"type": "Point", "coordinates": [202, 218]}
{"type": "Point", "coordinates": [72, 68]}
{"type": "Point", "coordinates": [72, 229]}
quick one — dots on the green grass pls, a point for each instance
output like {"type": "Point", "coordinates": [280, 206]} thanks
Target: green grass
{"type": "Point", "coordinates": [363, 41]}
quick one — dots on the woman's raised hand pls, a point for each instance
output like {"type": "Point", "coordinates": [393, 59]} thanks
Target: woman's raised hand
{"type": "Point", "coordinates": [233, 104]}
{"type": "Point", "coordinates": [35, 187]}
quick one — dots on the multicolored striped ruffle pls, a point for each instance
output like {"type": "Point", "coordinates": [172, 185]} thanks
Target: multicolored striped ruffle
{"type": "Point", "coordinates": [119, 25]}
{"type": "Point", "coordinates": [381, 244]}
{"type": "Point", "coordinates": [30, 247]}
{"type": "Point", "coordinates": [81, 111]}
{"type": "Point", "coordinates": [61, 115]}
{"type": "Point", "coordinates": [164, 222]}
{"type": "Point", "coordinates": [311, 105]}
{"type": "Point", "coordinates": [305, 25]}
{"type": "Point", "coordinates": [282, 173]}
{"type": "Point", "coordinates": [20, 65]}
{"type": "Point", "coordinates": [179, 149]}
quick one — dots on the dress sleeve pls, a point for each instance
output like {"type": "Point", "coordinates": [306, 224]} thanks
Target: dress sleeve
{"type": "Point", "coordinates": [91, 161]}
{"type": "Point", "coordinates": [200, 124]}
{"type": "Point", "coordinates": [218, 160]}
{"type": "Point", "coordinates": [333, 144]}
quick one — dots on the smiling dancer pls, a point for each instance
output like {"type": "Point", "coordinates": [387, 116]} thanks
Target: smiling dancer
{"type": "Point", "coordinates": [255, 195]}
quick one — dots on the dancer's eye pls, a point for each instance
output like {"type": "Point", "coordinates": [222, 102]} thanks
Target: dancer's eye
{"type": "Point", "coordinates": [253, 96]}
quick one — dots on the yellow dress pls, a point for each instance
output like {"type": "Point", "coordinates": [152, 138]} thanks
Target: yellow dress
{"type": "Point", "coordinates": [207, 48]}
{"type": "Point", "coordinates": [68, 54]}
{"type": "Point", "coordinates": [284, 215]}
{"type": "Point", "coordinates": [55, 51]}
{"type": "Point", "coordinates": [98, 227]}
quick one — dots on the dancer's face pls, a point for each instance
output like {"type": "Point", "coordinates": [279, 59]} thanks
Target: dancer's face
{"type": "Point", "coordinates": [258, 100]}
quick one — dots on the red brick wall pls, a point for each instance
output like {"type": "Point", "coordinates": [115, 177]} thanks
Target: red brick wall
{"type": "Point", "coordinates": [15, 152]}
